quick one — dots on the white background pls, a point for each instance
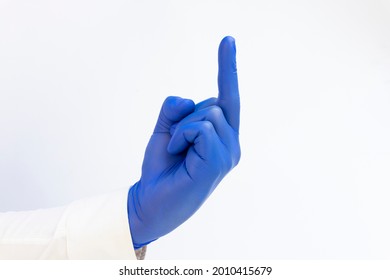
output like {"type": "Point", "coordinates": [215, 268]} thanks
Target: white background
{"type": "Point", "coordinates": [82, 82]}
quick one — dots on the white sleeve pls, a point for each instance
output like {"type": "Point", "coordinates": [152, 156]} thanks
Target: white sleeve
{"type": "Point", "coordinates": [93, 228]}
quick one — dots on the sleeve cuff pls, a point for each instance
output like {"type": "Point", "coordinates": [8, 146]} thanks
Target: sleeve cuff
{"type": "Point", "coordinates": [98, 228]}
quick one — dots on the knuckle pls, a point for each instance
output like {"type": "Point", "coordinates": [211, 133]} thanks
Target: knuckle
{"type": "Point", "coordinates": [169, 100]}
{"type": "Point", "coordinates": [215, 112]}
{"type": "Point", "coordinates": [207, 126]}
{"type": "Point", "coordinates": [167, 106]}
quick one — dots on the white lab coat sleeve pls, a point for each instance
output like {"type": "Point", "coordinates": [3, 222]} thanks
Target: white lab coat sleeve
{"type": "Point", "coordinates": [92, 228]}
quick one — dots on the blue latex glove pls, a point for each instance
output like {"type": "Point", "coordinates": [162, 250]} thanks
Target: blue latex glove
{"type": "Point", "coordinates": [192, 148]}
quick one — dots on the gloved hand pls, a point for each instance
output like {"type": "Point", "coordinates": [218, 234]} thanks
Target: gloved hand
{"type": "Point", "coordinates": [192, 148]}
